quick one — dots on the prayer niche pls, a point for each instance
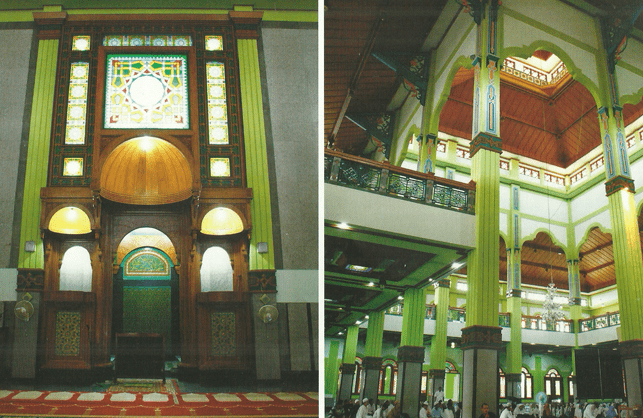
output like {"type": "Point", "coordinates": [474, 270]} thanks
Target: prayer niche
{"type": "Point", "coordinates": [146, 91]}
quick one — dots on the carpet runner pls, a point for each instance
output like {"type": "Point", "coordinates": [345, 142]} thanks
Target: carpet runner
{"type": "Point", "coordinates": [14, 403]}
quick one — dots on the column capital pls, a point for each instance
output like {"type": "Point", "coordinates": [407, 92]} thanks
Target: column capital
{"type": "Point", "coordinates": [481, 336]}
{"type": "Point", "coordinates": [514, 293]}
{"type": "Point", "coordinates": [485, 141]}
{"type": "Point", "coordinates": [437, 373]}
{"type": "Point", "coordinates": [574, 301]}
{"type": "Point", "coordinates": [442, 283]}
{"type": "Point", "coordinates": [246, 23]}
{"type": "Point", "coordinates": [410, 354]}
{"type": "Point", "coordinates": [49, 24]}
{"type": "Point", "coordinates": [372, 363]}
{"type": "Point", "coordinates": [631, 349]}
{"type": "Point", "coordinates": [617, 183]}
{"type": "Point", "coordinates": [348, 368]}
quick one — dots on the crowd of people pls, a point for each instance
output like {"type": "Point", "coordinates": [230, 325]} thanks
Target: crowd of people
{"type": "Point", "coordinates": [391, 409]}
{"type": "Point", "coordinates": [450, 409]}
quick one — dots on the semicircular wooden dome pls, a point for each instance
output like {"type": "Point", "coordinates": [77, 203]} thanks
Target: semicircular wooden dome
{"type": "Point", "coordinates": [146, 171]}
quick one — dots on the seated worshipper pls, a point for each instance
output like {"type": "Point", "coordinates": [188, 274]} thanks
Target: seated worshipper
{"type": "Point", "coordinates": [485, 411]}
{"type": "Point", "coordinates": [424, 411]}
{"type": "Point", "coordinates": [436, 412]}
{"type": "Point", "coordinates": [362, 411]}
{"type": "Point", "coordinates": [520, 410]}
{"type": "Point", "coordinates": [506, 412]}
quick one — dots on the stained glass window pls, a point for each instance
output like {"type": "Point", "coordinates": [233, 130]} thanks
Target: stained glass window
{"type": "Point", "coordinates": [73, 167]}
{"type": "Point", "coordinates": [146, 91]}
{"type": "Point", "coordinates": [147, 40]}
{"type": "Point", "coordinates": [217, 108]}
{"type": "Point", "coordinates": [220, 167]}
{"type": "Point", "coordinates": [77, 103]}
{"type": "Point", "coordinates": [81, 43]}
{"type": "Point", "coordinates": [214, 43]}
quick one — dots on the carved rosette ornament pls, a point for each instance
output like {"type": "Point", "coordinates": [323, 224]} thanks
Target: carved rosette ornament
{"type": "Point", "coordinates": [262, 281]}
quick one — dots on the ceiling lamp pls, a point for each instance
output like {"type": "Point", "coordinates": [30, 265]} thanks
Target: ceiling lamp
{"type": "Point", "coordinates": [221, 221]}
{"type": "Point", "coordinates": [70, 220]}
{"type": "Point", "coordinates": [551, 310]}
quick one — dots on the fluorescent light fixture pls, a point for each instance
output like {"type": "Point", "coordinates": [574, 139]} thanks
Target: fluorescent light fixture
{"type": "Point", "coordinates": [343, 225]}
{"type": "Point", "coordinates": [400, 297]}
{"type": "Point", "coordinates": [371, 284]}
{"type": "Point", "coordinates": [456, 265]}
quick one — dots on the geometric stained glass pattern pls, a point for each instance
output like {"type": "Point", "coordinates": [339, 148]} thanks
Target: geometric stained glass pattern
{"type": "Point", "coordinates": [147, 263]}
{"type": "Point", "coordinates": [147, 40]}
{"type": "Point", "coordinates": [67, 342]}
{"type": "Point", "coordinates": [146, 91]}
{"type": "Point", "coordinates": [217, 109]}
{"type": "Point", "coordinates": [220, 167]}
{"type": "Point", "coordinates": [77, 103]}
{"type": "Point", "coordinates": [80, 43]}
{"type": "Point", "coordinates": [73, 167]}
{"type": "Point", "coordinates": [224, 340]}
{"type": "Point", "coordinates": [214, 43]}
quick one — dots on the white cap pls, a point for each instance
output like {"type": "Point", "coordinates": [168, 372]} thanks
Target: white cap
{"type": "Point", "coordinates": [364, 400]}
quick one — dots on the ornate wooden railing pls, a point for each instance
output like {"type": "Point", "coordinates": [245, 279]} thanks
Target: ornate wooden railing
{"type": "Point", "coordinates": [609, 319]}
{"type": "Point", "coordinates": [539, 324]}
{"type": "Point", "coordinates": [386, 179]}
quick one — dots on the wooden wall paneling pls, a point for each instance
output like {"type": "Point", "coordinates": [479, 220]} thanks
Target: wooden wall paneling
{"type": "Point", "coordinates": [224, 303]}
{"type": "Point", "coordinates": [75, 311]}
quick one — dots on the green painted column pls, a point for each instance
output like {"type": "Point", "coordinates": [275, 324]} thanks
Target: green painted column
{"type": "Point", "coordinates": [372, 363]}
{"type": "Point", "coordinates": [429, 128]}
{"type": "Point", "coordinates": [348, 363]}
{"type": "Point", "coordinates": [331, 369]}
{"type": "Point", "coordinates": [438, 352]}
{"type": "Point", "coordinates": [482, 338]}
{"type": "Point", "coordinates": [410, 354]}
{"type": "Point", "coordinates": [38, 153]}
{"type": "Point", "coordinates": [256, 154]}
{"type": "Point", "coordinates": [619, 188]}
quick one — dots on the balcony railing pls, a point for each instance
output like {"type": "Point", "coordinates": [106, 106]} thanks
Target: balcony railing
{"type": "Point", "coordinates": [609, 319]}
{"type": "Point", "coordinates": [537, 323]}
{"type": "Point", "coordinates": [382, 178]}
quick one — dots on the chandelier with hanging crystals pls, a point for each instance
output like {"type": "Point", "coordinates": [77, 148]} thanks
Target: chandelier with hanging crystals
{"type": "Point", "coordinates": [551, 310]}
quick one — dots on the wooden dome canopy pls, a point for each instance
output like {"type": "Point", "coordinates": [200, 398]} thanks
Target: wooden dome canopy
{"type": "Point", "coordinates": [146, 171]}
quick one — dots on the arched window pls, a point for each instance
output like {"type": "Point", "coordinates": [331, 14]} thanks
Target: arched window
{"type": "Point", "coordinates": [425, 382]}
{"type": "Point", "coordinates": [357, 380]}
{"type": "Point", "coordinates": [216, 271]}
{"type": "Point", "coordinates": [388, 378]}
{"type": "Point", "coordinates": [553, 384]}
{"type": "Point", "coordinates": [570, 385]}
{"type": "Point", "coordinates": [527, 385]}
{"type": "Point", "coordinates": [76, 270]}
{"type": "Point", "coordinates": [503, 383]}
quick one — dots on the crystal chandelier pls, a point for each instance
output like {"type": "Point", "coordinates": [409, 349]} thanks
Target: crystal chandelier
{"type": "Point", "coordinates": [551, 310]}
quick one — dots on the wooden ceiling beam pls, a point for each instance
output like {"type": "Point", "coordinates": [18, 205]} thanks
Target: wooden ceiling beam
{"type": "Point", "coordinates": [579, 118]}
{"type": "Point", "coordinates": [541, 265]}
{"type": "Point", "coordinates": [365, 55]}
{"type": "Point", "coordinates": [597, 248]}
{"type": "Point", "coordinates": [601, 266]}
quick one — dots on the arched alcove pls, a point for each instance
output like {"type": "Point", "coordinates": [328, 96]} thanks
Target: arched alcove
{"type": "Point", "coordinates": [76, 270]}
{"type": "Point", "coordinates": [216, 271]}
{"type": "Point", "coordinates": [596, 261]}
{"type": "Point", "coordinates": [543, 261]}
{"type": "Point", "coordinates": [145, 237]}
{"type": "Point", "coordinates": [146, 171]}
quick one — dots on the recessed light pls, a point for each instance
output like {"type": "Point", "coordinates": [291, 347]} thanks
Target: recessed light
{"type": "Point", "coordinates": [371, 284]}
{"type": "Point", "coordinates": [343, 225]}
{"type": "Point", "coordinates": [400, 297]}
{"type": "Point", "coordinates": [366, 317]}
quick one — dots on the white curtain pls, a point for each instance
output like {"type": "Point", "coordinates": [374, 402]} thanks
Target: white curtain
{"type": "Point", "coordinates": [216, 271]}
{"type": "Point", "coordinates": [76, 270]}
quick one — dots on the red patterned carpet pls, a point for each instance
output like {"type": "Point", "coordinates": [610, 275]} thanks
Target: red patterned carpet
{"type": "Point", "coordinates": [14, 403]}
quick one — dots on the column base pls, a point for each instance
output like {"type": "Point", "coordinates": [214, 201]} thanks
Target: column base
{"type": "Point", "coordinates": [372, 367]}
{"type": "Point", "coordinates": [513, 387]}
{"type": "Point", "coordinates": [480, 349]}
{"type": "Point", "coordinates": [409, 378]}
{"type": "Point", "coordinates": [436, 377]}
{"type": "Point", "coordinates": [632, 360]}
{"type": "Point", "coordinates": [346, 381]}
